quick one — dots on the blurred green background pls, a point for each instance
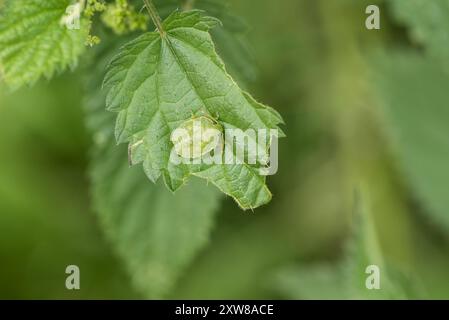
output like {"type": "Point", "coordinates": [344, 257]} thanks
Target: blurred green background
{"type": "Point", "coordinates": [363, 171]}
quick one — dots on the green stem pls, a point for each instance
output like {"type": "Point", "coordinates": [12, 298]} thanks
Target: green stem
{"type": "Point", "coordinates": [154, 16]}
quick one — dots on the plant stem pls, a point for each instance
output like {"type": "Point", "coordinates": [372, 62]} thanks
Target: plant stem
{"type": "Point", "coordinates": [154, 16]}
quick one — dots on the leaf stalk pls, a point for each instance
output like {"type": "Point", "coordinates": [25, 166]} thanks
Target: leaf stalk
{"type": "Point", "coordinates": [154, 16]}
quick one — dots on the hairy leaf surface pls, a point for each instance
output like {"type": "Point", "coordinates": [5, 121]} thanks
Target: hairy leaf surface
{"type": "Point", "coordinates": [428, 23]}
{"type": "Point", "coordinates": [157, 82]}
{"type": "Point", "coordinates": [34, 42]}
{"type": "Point", "coordinates": [230, 39]}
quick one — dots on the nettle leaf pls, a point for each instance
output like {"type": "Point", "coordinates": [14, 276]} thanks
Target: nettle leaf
{"type": "Point", "coordinates": [160, 80]}
{"type": "Point", "coordinates": [155, 233]}
{"type": "Point", "coordinates": [428, 23]}
{"type": "Point", "coordinates": [230, 39]}
{"type": "Point", "coordinates": [414, 90]}
{"type": "Point", "coordinates": [35, 42]}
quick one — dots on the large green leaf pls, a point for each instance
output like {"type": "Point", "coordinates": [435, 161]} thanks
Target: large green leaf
{"type": "Point", "coordinates": [155, 232]}
{"type": "Point", "coordinates": [415, 93]}
{"type": "Point", "coordinates": [34, 42]}
{"type": "Point", "coordinates": [160, 80]}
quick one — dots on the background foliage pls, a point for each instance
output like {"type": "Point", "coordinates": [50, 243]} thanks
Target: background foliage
{"type": "Point", "coordinates": [363, 177]}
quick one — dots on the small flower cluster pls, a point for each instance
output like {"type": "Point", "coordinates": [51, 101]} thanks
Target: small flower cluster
{"type": "Point", "coordinates": [122, 18]}
{"type": "Point", "coordinates": [92, 7]}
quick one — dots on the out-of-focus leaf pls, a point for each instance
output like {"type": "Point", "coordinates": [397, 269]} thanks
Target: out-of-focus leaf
{"type": "Point", "coordinates": [35, 42]}
{"type": "Point", "coordinates": [322, 281]}
{"type": "Point", "coordinates": [347, 278]}
{"type": "Point", "coordinates": [363, 251]}
{"type": "Point", "coordinates": [416, 94]}
{"type": "Point", "coordinates": [429, 24]}
{"type": "Point", "coordinates": [155, 232]}
{"type": "Point", "coordinates": [45, 221]}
